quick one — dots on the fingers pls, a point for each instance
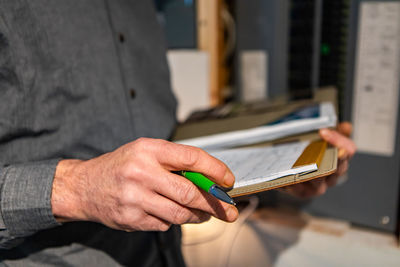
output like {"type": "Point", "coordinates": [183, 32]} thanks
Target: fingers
{"type": "Point", "coordinates": [346, 146]}
{"type": "Point", "coordinates": [186, 194]}
{"type": "Point", "coordinates": [139, 221]}
{"type": "Point", "coordinates": [313, 188]}
{"type": "Point", "coordinates": [318, 186]}
{"type": "Point", "coordinates": [345, 128]}
{"type": "Point", "coordinates": [173, 198]}
{"type": "Point", "coordinates": [294, 190]}
{"type": "Point", "coordinates": [172, 212]}
{"type": "Point", "coordinates": [342, 154]}
{"type": "Point", "coordinates": [347, 149]}
{"type": "Point", "coordinates": [332, 179]}
{"type": "Point", "coordinates": [152, 224]}
{"type": "Point", "coordinates": [308, 189]}
{"type": "Point", "coordinates": [342, 168]}
{"type": "Point", "coordinates": [181, 157]}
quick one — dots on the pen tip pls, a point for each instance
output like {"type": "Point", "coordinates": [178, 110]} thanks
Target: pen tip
{"type": "Point", "coordinates": [221, 195]}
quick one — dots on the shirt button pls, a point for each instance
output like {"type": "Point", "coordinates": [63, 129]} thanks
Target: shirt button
{"type": "Point", "coordinates": [121, 37]}
{"type": "Point", "coordinates": [132, 93]}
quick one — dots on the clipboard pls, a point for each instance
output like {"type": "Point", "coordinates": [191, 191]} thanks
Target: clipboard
{"type": "Point", "coordinates": [327, 156]}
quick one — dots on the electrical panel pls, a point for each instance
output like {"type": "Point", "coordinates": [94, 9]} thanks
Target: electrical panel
{"type": "Point", "coordinates": [370, 196]}
{"type": "Point", "coordinates": [285, 34]}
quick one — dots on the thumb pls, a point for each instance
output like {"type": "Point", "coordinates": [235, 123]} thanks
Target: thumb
{"type": "Point", "coordinates": [346, 145]}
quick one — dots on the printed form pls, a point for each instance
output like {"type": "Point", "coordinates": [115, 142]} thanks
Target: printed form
{"type": "Point", "coordinates": [259, 164]}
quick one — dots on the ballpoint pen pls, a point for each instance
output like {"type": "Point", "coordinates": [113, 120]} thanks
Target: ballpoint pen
{"type": "Point", "coordinates": [207, 185]}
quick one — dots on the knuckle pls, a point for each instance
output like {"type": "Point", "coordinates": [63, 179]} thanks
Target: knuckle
{"type": "Point", "coordinates": [201, 217]}
{"type": "Point", "coordinates": [148, 223]}
{"type": "Point", "coordinates": [122, 222]}
{"type": "Point", "coordinates": [155, 143]}
{"type": "Point", "coordinates": [190, 157]}
{"type": "Point", "coordinates": [187, 194]}
{"type": "Point", "coordinates": [132, 170]}
{"type": "Point", "coordinates": [125, 170]}
{"type": "Point", "coordinates": [130, 200]}
{"type": "Point", "coordinates": [142, 141]}
{"type": "Point", "coordinates": [219, 169]}
{"type": "Point", "coordinates": [321, 190]}
{"type": "Point", "coordinates": [163, 227]}
{"type": "Point", "coordinates": [126, 197]}
{"type": "Point", "coordinates": [206, 218]}
{"type": "Point", "coordinates": [126, 219]}
{"type": "Point", "coordinates": [180, 215]}
{"type": "Point", "coordinates": [142, 144]}
{"type": "Point", "coordinates": [136, 171]}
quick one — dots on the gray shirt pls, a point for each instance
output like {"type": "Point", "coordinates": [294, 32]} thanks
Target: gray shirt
{"type": "Point", "coordinates": [78, 78]}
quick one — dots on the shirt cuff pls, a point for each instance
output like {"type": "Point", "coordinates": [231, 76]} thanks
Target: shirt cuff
{"type": "Point", "coordinates": [26, 197]}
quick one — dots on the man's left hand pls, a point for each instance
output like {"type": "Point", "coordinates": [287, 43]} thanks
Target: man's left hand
{"type": "Point", "coordinates": [340, 139]}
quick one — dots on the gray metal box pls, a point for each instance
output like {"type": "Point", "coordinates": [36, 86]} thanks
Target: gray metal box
{"type": "Point", "coordinates": [370, 196]}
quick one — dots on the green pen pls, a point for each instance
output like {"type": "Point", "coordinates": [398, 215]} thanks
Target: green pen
{"type": "Point", "coordinates": [207, 185]}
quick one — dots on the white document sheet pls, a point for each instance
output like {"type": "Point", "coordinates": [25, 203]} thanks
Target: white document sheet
{"type": "Point", "coordinates": [327, 118]}
{"type": "Point", "coordinates": [260, 164]}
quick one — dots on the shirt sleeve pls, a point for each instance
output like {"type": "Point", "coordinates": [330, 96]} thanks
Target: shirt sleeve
{"type": "Point", "coordinates": [25, 189]}
{"type": "Point", "coordinates": [25, 200]}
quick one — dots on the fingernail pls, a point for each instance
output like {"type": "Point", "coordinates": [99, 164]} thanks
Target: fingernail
{"type": "Point", "coordinates": [324, 132]}
{"type": "Point", "coordinates": [229, 179]}
{"type": "Point", "coordinates": [342, 154]}
{"type": "Point", "coordinates": [232, 214]}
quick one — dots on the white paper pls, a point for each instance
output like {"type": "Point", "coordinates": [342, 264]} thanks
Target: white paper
{"type": "Point", "coordinates": [327, 118]}
{"type": "Point", "coordinates": [260, 164]}
{"type": "Point", "coordinates": [376, 88]}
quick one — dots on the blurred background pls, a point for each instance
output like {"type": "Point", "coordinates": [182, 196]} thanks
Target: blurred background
{"type": "Point", "coordinates": [251, 51]}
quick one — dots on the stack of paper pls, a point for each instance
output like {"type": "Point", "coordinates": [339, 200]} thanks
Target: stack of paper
{"type": "Point", "coordinates": [259, 164]}
{"type": "Point", "coordinates": [303, 120]}
{"type": "Point", "coordinates": [261, 167]}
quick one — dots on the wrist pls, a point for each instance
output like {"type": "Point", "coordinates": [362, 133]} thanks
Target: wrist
{"type": "Point", "coordinates": [67, 191]}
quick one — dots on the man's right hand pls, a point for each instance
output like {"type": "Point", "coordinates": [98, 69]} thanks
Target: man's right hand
{"type": "Point", "coordinates": [132, 188]}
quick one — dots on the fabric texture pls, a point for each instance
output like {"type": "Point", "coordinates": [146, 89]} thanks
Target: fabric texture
{"type": "Point", "coordinates": [78, 78]}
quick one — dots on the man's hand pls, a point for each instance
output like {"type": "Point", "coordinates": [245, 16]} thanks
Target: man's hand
{"type": "Point", "coordinates": [347, 148]}
{"type": "Point", "coordinates": [132, 188]}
